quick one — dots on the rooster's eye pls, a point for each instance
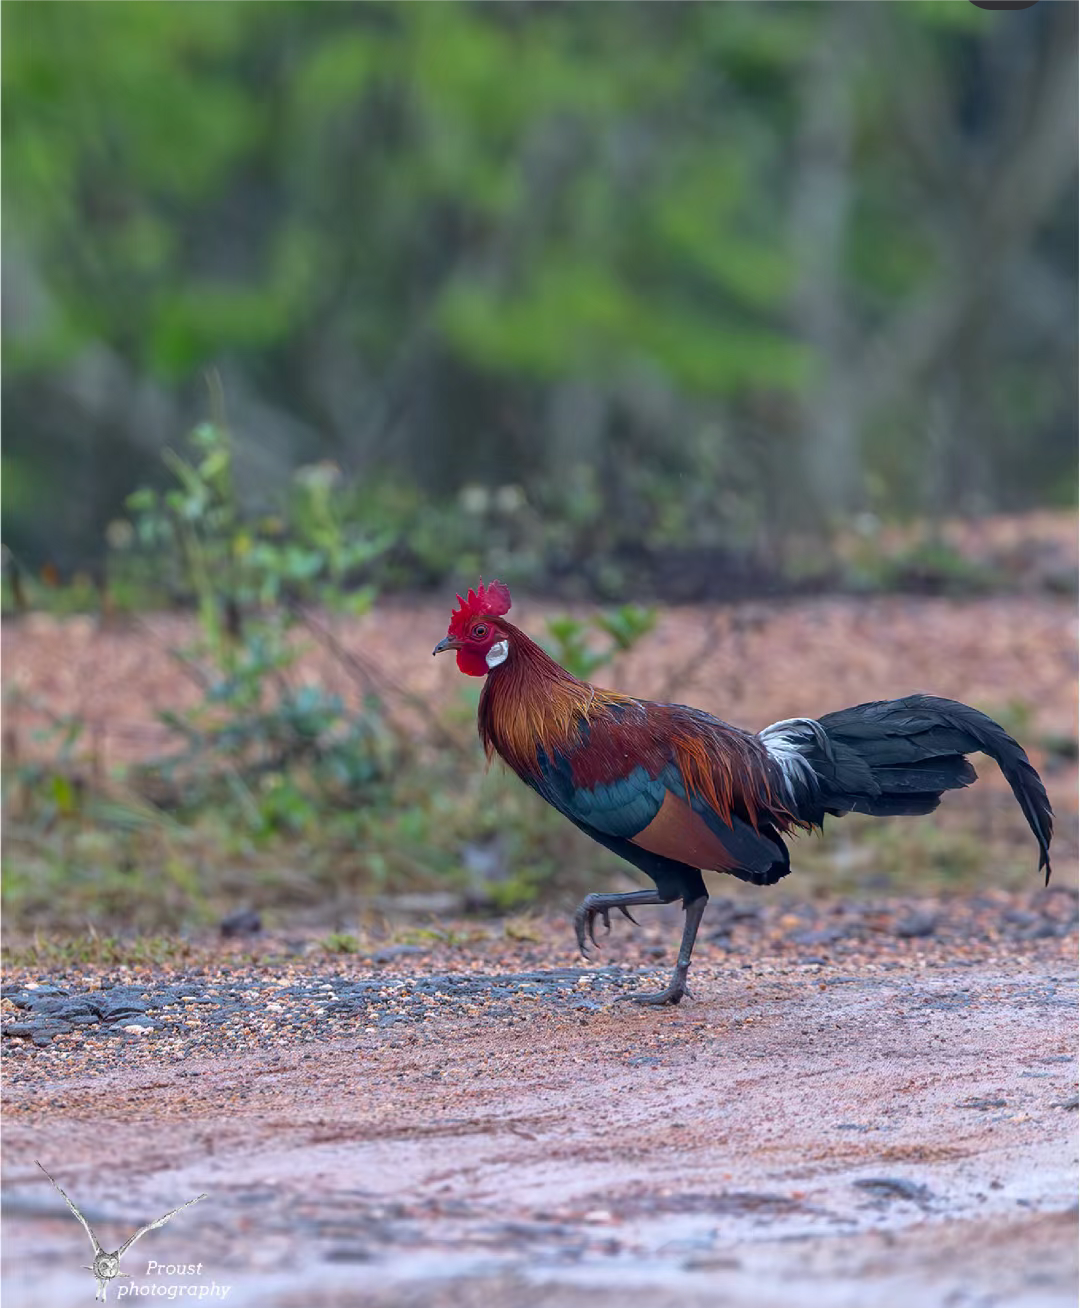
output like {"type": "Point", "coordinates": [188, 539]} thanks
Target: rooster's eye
{"type": "Point", "coordinates": [479, 631]}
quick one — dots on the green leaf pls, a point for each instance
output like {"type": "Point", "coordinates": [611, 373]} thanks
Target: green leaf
{"type": "Point", "coordinates": [64, 794]}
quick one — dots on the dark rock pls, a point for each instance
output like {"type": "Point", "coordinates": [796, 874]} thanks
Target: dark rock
{"type": "Point", "coordinates": [1043, 930]}
{"type": "Point", "coordinates": [117, 1012]}
{"type": "Point", "coordinates": [824, 936]}
{"type": "Point", "coordinates": [47, 1005]}
{"type": "Point", "coordinates": [396, 951]}
{"type": "Point", "coordinates": [894, 1187]}
{"type": "Point", "coordinates": [1020, 917]}
{"type": "Point", "coordinates": [244, 922]}
{"type": "Point", "coordinates": [69, 1009]}
{"type": "Point", "coordinates": [727, 911]}
{"type": "Point", "coordinates": [916, 925]}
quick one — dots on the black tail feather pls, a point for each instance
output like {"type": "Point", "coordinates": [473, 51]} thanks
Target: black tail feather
{"type": "Point", "coordinates": [949, 772]}
{"type": "Point", "coordinates": [891, 805]}
{"type": "Point", "coordinates": [910, 750]}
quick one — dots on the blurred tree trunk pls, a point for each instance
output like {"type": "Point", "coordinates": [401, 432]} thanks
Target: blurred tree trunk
{"type": "Point", "coordinates": [989, 193]}
{"type": "Point", "coordinates": [820, 208]}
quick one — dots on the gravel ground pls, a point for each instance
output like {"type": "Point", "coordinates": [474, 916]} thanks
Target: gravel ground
{"type": "Point", "coordinates": [865, 1104]}
{"type": "Point", "coordinates": [227, 1004]}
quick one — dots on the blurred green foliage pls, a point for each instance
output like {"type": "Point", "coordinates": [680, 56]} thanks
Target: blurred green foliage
{"type": "Point", "coordinates": [573, 641]}
{"type": "Point", "coordinates": [662, 268]}
{"type": "Point", "coordinates": [396, 117]}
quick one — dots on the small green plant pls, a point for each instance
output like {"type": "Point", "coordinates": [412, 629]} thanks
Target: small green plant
{"type": "Point", "coordinates": [525, 927]}
{"type": "Point", "coordinates": [238, 565]}
{"type": "Point", "coordinates": [277, 750]}
{"type": "Point", "coordinates": [930, 566]}
{"type": "Point", "coordinates": [51, 787]}
{"type": "Point", "coordinates": [574, 641]}
{"type": "Point", "coordinates": [340, 942]}
{"type": "Point", "coordinates": [94, 950]}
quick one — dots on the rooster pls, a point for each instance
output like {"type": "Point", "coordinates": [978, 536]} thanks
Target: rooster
{"type": "Point", "coordinates": [675, 791]}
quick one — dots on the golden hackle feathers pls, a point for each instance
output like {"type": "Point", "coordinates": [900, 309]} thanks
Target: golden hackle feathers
{"type": "Point", "coordinates": [534, 702]}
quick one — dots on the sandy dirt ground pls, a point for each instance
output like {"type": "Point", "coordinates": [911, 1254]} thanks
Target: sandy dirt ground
{"type": "Point", "coordinates": [751, 663]}
{"type": "Point", "coordinates": [892, 1125]}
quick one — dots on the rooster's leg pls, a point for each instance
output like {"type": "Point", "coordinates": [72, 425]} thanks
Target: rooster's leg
{"type": "Point", "coordinates": [677, 989]}
{"type": "Point", "coordinates": [600, 906]}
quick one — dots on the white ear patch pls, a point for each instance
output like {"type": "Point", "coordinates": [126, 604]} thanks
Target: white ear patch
{"type": "Point", "coordinates": [498, 653]}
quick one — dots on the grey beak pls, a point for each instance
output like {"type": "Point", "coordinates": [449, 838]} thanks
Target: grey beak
{"type": "Point", "coordinates": [447, 642]}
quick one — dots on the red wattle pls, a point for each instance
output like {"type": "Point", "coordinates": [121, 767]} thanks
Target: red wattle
{"type": "Point", "coordinates": [472, 662]}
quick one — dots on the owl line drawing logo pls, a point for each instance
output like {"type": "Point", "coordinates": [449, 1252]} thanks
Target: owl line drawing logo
{"type": "Point", "coordinates": [106, 1266]}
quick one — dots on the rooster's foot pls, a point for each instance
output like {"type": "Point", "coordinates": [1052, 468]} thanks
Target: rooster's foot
{"type": "Point", "coordinates": [593, 907]}
{"type": "Point", "coordinates": [672, 995]}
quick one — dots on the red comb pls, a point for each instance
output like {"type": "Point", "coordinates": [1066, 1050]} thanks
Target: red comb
{"type": "Point", "coordinates": [492, 600]}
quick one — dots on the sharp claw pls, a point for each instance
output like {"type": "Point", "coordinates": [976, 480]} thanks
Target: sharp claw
{"type": "Point", "coordinates": [579, 931]}
{"type": "Point", "coordinates": [585, 920]}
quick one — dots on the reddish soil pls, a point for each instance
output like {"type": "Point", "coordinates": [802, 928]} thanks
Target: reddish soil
{"type": "Point", "coordinates": [751, 663]}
